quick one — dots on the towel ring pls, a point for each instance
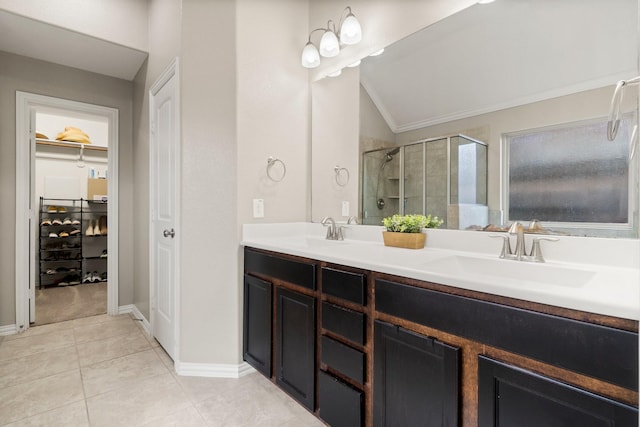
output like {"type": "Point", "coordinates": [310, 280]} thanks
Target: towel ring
{"type": "Point", "coordinates": [272, 161]}
{"type": "Point", "coordinates": [342, 175]}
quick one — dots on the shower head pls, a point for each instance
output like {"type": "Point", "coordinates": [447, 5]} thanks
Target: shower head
{"type": "Point", "coordinates": [391, 153]}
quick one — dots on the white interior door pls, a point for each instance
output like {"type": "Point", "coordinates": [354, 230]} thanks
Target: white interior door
{"type": "Point", "coordinates": [164, 155]}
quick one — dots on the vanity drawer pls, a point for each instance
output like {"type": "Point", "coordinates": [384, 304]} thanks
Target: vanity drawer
{"type": "Point", "coordinates": [296, 272]}
{"type": "Point", "coordinates": [346, 285]}
{"type": "Point", "coordinates": [344, 359]}
{"type": "Point", "coordinates": [344, 322]}
{"type": "Point", "coordinates": [340, 404]}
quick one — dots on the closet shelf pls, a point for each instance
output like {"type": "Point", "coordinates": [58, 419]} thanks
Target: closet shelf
{"type": "Point", "coordinates": [69, 144]}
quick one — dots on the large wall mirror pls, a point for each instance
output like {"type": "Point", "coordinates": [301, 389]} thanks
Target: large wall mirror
{"type": "Point", "coordinates": [452, 96]}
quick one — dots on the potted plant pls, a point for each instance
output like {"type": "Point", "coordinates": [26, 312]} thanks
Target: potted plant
{"type": "Point", "coordinates": [405, 231]}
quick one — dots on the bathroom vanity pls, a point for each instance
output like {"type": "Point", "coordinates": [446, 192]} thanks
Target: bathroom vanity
{"type": "Point", "coordinates": [376, 340]}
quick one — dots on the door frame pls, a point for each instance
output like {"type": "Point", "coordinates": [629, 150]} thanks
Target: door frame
{"type": "Point", "coordinates": [172, 71]}
{"type": "Point", "coordinates": [25, 149]}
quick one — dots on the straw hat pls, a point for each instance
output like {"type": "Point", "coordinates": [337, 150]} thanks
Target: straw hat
{"type": "Point", "coordinates": [73, 134]}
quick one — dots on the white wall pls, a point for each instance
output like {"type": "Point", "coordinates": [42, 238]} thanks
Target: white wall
{"type": "Point", "coordinates": [120, 21]}
{"type": "Point", "coordinates": [209, 324]}
{"type": "Point", "coordinates": [273, 108]}
{"type": "Point", "coordinates": [335, 143]}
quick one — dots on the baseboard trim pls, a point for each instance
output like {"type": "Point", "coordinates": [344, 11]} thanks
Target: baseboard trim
{"type": "Point", "coordinates": [133, 310]}
{"type": "Point", "coordinates": [124, 309]}
{"type": "Point", "coordinates": [8, 330]}
{"type": "Point", "coordinates": [213, 370]}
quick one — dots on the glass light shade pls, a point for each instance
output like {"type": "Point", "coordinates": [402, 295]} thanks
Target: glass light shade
{"type": "Point", "coordinates": [350, 32]}
{"type": "Point", "coordinates": [310, 56]}
{"type": "Point", "coordinates": [329, 45]}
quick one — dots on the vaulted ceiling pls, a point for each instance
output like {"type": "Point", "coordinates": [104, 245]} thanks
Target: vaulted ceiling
{"type": "Point", "coordinates": [500, 55]}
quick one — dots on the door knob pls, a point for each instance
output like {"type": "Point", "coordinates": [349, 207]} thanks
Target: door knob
{"type": "Point", "coordinates": [169, 233]}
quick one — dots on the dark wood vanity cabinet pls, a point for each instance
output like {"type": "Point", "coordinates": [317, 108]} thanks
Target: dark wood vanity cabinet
{"type": "Point", "coordinates": [256, 342]}
{"type": "Point", "coordinates": [280, 321]}
{"type": "Point", "coordinates": [366, 349]}
{"type": "Point", "coordinates": [416, 379]}
{"type": "Point", "coordinates": [295, 345]}
{"type": "Point", "coordinates": [511, 396]}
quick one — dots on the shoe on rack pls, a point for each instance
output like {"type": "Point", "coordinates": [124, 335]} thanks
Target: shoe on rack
{"type": "Point", "coordinates": [66, 221]}
{"type": "Point", "coordinates": [95, 277]}
{"type": "Point", "coordinates": [53, 235]}
{"type": "Point", "coordinates": [62, 209]}
{"type": "Point", "coordinates": [89, 231]}
{"type": "Point", "coordinates": [46, 221]}
{"type": "Point", "coordinates": [75, 221]}
{"type": "Point", "coordinates": [52, 209]}
{"type": "Point", "coordinates": [74, 231]}
{"type": "Point", "coordinates": [62, 270]}
{"type": "Point", "coordinates": [64, 234]}
{"type": "Point", "coordinates": [51, 271]}
{"type": "Point", "coordinates": [103, 276]}
{"type": "Point", "coordinates": [96, 229]}
{"type": "Point", "coordinates": [87, 278]}
{"type": "Point", "coordinates": [103, 254]}
{"type": "Point", "coordinates": [64, 281]}
{"type": "Point", "coordinates": [103, 225]}
{"type": "Point", "coordinates": [74, 279]}
{"type": "Point", "coordinates": [56, 222]}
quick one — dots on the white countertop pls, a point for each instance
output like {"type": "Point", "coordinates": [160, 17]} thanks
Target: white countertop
{"type": "Point", "coordinates": [590, 274]}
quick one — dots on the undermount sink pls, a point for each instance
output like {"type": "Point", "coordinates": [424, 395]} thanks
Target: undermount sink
{"type": "Point", "coordinates": [541, 273]}
{"type": "Point", "coordinates": [311, 242]}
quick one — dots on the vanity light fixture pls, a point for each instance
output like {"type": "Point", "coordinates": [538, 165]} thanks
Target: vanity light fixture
{"type": "Point", "coordinates": [350, 33]}
{"type": "Point", "coordinates": [377, 52]}
{"type": "Point", "coordinates": [355, 64]}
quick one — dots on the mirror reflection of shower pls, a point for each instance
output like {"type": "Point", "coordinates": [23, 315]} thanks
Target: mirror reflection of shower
{"type": "Point", "coordinates": [387, 158]}
{"type": "Point", "coordinates": [443, 176]}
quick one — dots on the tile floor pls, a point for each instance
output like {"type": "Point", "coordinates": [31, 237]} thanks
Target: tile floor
{"type": "Point", "coordinates": [106, 371]}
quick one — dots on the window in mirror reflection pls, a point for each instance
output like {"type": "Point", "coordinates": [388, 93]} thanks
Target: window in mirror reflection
{"type": "Point", "coordinates": [570, 174]}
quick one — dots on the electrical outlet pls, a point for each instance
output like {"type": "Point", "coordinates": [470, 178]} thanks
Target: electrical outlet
{"type": "Point", "coordinates": [345, 208]}
{"type": "Point", "coordinates": [258, 208]}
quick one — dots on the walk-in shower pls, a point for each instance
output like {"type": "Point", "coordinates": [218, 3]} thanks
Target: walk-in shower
{"type": "Point", "coordinates": [445, 177]}
{"type": "Point", "coordinates": [387, 158]}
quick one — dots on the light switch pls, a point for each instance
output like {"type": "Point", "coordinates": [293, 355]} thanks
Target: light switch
{"type": "Point", "coordinates": [258, 208]}
{"type": "Point", "coordinates": [345, 208]}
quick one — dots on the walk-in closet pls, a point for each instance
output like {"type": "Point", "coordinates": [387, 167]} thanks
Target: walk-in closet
{"type": "Point", "coordinates": [70, 192]}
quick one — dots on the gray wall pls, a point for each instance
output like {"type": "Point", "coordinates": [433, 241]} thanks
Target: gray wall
{"type": "Point", "coordinates": [18, 73]}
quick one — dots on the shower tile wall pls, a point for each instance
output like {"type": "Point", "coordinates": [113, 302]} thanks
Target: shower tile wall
{"type": "Point", "coordinates": [414, 179]}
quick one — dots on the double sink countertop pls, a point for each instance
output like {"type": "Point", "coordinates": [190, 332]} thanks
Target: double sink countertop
{"type": "Point", "coordinates": [596, 275]}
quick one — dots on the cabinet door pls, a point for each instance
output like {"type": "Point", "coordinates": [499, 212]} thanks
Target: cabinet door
{"type": "Point", "coordinates": [256, 346]}
{"type": "Point", "coordinates": [510, 396]}
{"type": "Point", "coordinates": [416, 379]}
{"type": "Point", "coordinates": [295, 345]}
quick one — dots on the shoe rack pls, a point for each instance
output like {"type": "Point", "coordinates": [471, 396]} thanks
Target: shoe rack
{"type": "Point", "coordinates": [72, 242]}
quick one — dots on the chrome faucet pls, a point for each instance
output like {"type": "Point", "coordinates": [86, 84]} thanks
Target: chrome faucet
{"type": "Point", "coordinates": [520, 253]}
{"type": "Point", "coordinates": [517, 230]}
{"type": "Point", "coordinates": [334, 232]}
{"type": "Point", "coordinates": [352, 220]}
